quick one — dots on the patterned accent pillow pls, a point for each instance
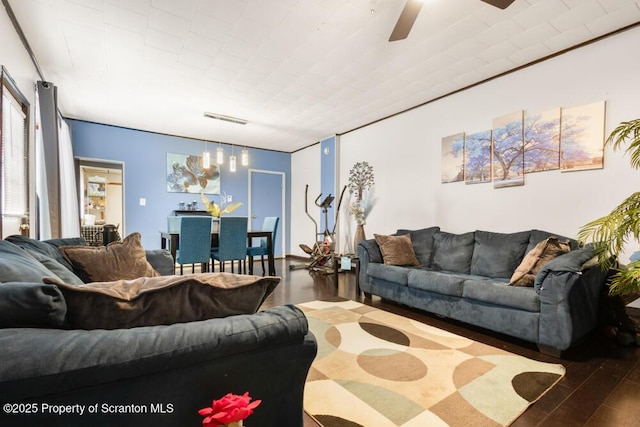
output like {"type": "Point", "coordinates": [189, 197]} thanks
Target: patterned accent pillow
{"type": "Point", "coordinates": [396, 250]}
{"type": "Point", "coordinates": [537, 257]}
{"type": "Point", "coordinates": [116, 261]}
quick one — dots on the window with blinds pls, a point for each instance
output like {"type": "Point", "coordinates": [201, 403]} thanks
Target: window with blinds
{"type": "Point", "coordinates": [14, 179]}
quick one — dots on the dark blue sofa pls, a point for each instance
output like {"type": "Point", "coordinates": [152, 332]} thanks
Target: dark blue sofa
{"type": "Point", "coordinates": [151, 375]}
{"type": "Point", "coordinates": [558, 311]}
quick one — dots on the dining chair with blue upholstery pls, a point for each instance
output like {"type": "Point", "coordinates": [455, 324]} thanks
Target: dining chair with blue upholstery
{"type": "Point", "coordinates": [232, 242]}
{"type": "Point", "coordinates": [270, 223]}
{"type": "Point", "coordinates": [195, 242]}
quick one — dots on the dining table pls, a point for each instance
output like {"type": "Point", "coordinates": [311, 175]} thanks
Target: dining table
{"type": "Point", "coordinates": [170, 240]}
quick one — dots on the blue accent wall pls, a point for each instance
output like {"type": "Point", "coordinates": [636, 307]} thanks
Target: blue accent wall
{"type": "Point", "coordinates": [144, 155]}
{"type": "Point", "coordinates": [328, 179]}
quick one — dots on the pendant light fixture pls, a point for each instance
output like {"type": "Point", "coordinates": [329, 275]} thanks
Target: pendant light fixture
{"type": "Point", "coordinates": [245, 157]}
{"type": "Point", "coordinates": [232, 161]}
{"type": "Point", "coordinates": [220, 150]}
{"type": "Point", "coordinates": [219, 155]}
{"type": "Point", "coordinates": [206, 158]}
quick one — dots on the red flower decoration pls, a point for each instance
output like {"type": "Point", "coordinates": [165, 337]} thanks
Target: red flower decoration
{"type": "Point", "coordinates": [228, 409]}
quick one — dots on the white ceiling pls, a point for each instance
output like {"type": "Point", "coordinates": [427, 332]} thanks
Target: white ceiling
{"type": "Point", "coordinates": [297, 70]}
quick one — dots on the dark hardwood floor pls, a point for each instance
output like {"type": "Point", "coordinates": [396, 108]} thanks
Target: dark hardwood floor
{"type": "Point", "coordinates": [601, 387]}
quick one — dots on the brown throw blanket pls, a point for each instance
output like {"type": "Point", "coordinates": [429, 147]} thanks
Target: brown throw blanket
{"type": "Point", "coordinates": [163, 300]}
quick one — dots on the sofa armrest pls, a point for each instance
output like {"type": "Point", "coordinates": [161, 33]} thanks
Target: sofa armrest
{"type": "Point", "coordinates": [571, 262]}
{"type": "Point", "coordinates": [185, 365]}
{"type": "Point", "coordinates": [569, 297]}
{"type": "Point", "coordinates": [161, 261]}
{"type": "Point", "coordinates": [368, 251]}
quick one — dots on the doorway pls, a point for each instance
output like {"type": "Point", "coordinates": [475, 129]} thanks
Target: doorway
{"type": "Point", "coordinates": [101, 195]}
{"type": "Point", "coordinates": [266, 198]}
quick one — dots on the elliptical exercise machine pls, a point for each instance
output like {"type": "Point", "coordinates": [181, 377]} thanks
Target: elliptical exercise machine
{"type": "Point", "coordinates": [323, 249]}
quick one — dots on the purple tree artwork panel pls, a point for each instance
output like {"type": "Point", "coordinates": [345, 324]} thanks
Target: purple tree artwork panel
{"type": "Point", "coordinates": [185, 174]}
{"type": "Point", "coordinates": [542, 141]}
{"type": "Point", "coordinates": [508, 151]}
{"type": "Point", "coordinates": [477, 157]}
{"type": "Point", "coordinates": [453, 158]}
{"type": "Point", "coordinates": [582, 137]}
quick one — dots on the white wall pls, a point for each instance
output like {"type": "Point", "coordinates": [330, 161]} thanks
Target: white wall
{"type": "Point", "coordinates": [305, 169]}
{"type": "Point", "coordinates": [405, 150]}
{"type": "Point", "coordinates": [15, 59]}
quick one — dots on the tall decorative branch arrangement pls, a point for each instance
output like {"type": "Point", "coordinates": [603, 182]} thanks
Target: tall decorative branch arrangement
{"type": "Point", "coordinates": [360, 185]}
{"type": "Point", "coordinates": [611, 232]}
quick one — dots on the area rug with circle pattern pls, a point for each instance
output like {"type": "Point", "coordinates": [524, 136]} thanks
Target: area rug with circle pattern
{"type": "Point", "coordinates": [376, 368]}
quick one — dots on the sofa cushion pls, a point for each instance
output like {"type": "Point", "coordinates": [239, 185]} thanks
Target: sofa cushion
{"type": "Point", "coordinates": [17, 265]}
{"type": "Point", "coordinates": [31, 305]}
{"type": "Point", "coordinates": [452, 252]}
{"type": "Point", "coordinates": [116, 261]}
{"type": "Point", "coordinates": [161, 261]}
{"type": "Point", "coordinates": [497, 255]}
{"type": "Point", "coordinates": [494, 292]}
{"type": "Point", "coordinates": [436, 281]}
{"type": "Point", "coordinates": [60, 270]}
{"type": "Point", "coordinates": [48, 248]}
{"type": "Point", "coordinates": [396, 250]}
{"type": "Point", "coordinates": [390, 273]}
{"type": "Point", "coordinates": [66, 241]}
{"type": "Point", "coordinates": [535, 259]}
{"type": "Point", "coordinates": [422, 241]}
{"type": "Point", "coordinates": [164, 300]}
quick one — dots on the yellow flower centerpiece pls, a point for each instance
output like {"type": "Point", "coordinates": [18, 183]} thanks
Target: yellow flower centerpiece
{"type": "Point", "coordinates": [217, 210]}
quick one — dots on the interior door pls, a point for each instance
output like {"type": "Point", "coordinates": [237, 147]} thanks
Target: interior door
{"type": "Point", "coordinates": [266, 198]}
{"type": "Point", "coordinates": [108, 209]}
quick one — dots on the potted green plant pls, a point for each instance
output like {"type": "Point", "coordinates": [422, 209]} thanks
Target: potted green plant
{"type": "Point", "coordinates": [611, 232]}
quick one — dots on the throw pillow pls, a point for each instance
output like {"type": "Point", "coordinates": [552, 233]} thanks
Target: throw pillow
{"type": "Point", "coordinates": [533, 261]}
{"type": "Point", "coordinates": [164, 300]}
{"type": "Point", "coordinates": [396, 250]}
{"type": "Point", "coordinates": [116, 261]}
{"type": "Point", "coordinates": [538, 236]}
{"type": "Point", "coordinates": [31, 305]}
{"type": "Point", "coordinates": [453, 252]}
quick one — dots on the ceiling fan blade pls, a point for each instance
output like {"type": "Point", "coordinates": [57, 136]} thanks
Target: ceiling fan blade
{"type": "Point", "coordinates": [502, 4]}
{"type": "Point", "coordinates": [406, 20]}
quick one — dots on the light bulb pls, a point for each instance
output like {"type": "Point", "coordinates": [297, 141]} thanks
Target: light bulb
{"type": "Point", "coordinates": [232, 163]}
{"type": "Point", "coordinates": [219, 155]}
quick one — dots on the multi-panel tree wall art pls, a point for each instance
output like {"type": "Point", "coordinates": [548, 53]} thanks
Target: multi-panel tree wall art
{"type": "Point", "coordinates": [569, 139]}
{"type": "Point", "coordinates": [581, 137]}
{"type": "Point", "coordinates": [508, 151]}
{"type": "Point", "coordinates": [477, 157]}
{"type": "Point", "coordinates": [542, 141]}
{"type": "Point", "coordinates": [453, 158]}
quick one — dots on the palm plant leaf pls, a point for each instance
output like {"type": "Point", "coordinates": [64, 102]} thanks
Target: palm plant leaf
{"type": "Point", "coordinates": [628, 131]}
{"type": "Point", "coordinates": [626, 279]}
{"type": "Point", "coordinates": [612, 232]}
